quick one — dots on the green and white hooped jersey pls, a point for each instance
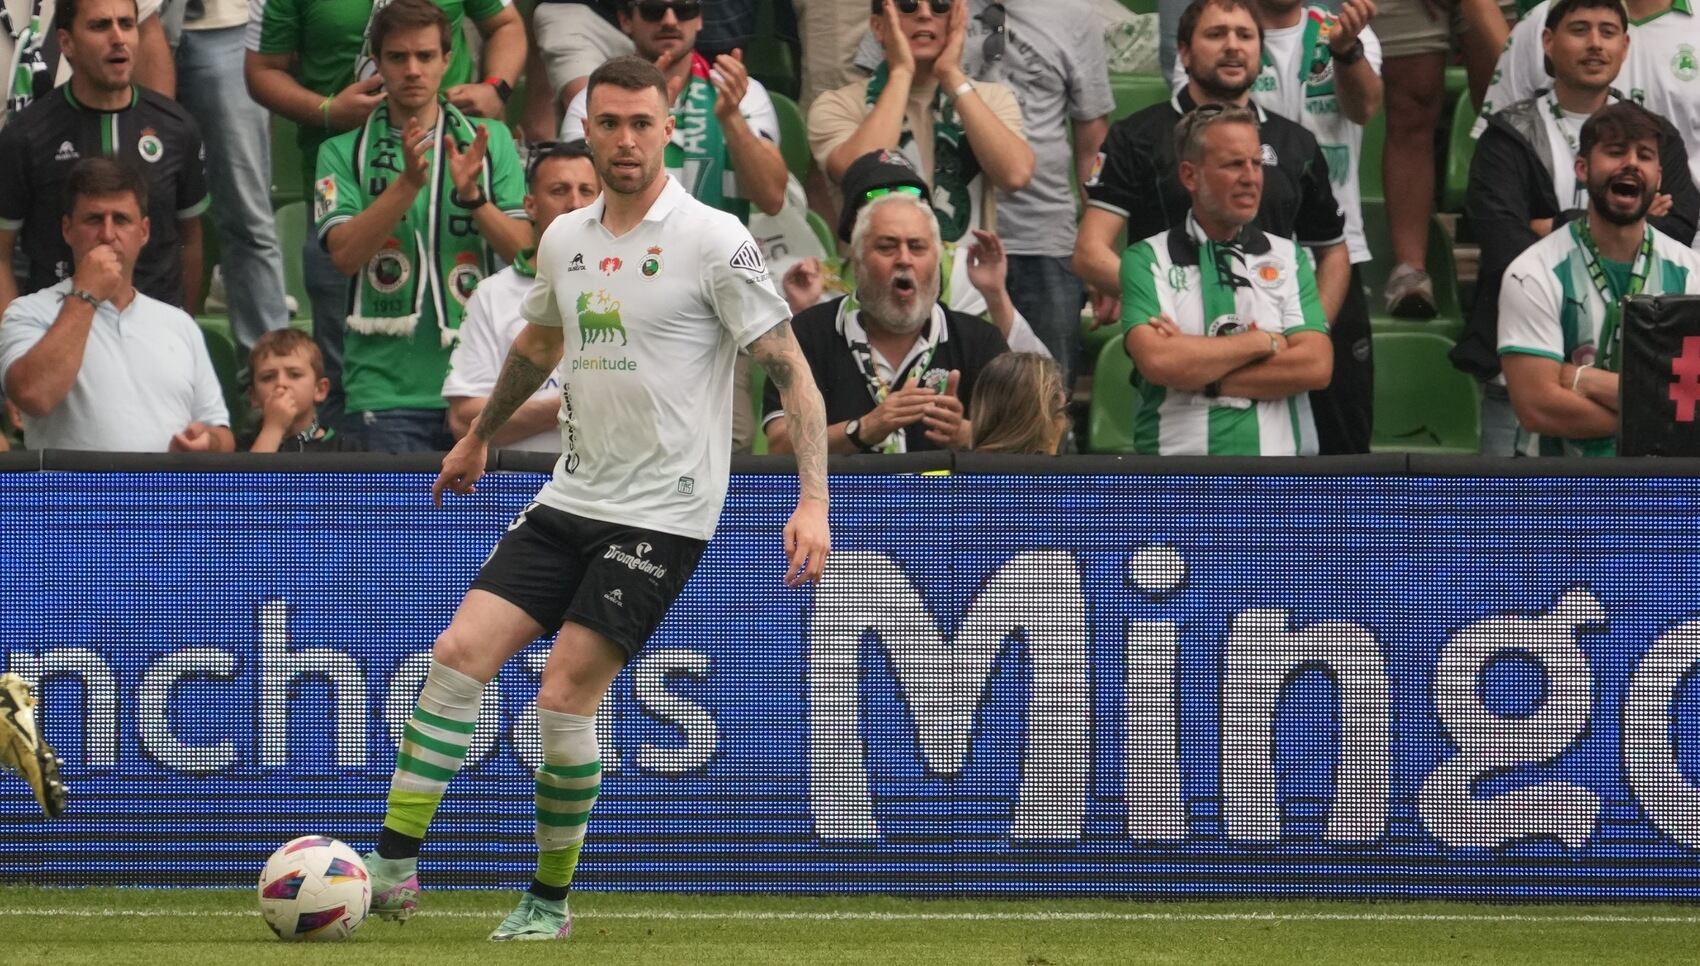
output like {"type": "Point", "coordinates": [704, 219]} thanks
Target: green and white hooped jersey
{"type": "Point", "coordinates": [1274, 291]}
{"type": "Point", "coordinates": [1551, 307]}
{"type": "Point", "coordinates": [1661, 73]}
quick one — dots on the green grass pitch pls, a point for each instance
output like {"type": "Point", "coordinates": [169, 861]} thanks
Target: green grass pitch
{"type": "Point", "coordinates": [58, 927]}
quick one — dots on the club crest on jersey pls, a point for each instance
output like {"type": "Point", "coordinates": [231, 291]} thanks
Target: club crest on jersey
{"type": "Point", "coordinates": [1684, 65]}
{"type": "Point", "coordinates": [651, 266]}
{"type": "Point", "coordinates": [465, 276]}
{"type": "Point", "coordinates": [149, 146]}
{"type": "Point", "coordinates": [389, 270]}
{"type": "Point", "coordinates": [1179, 280]}
{"type": "Point", "coordinates": [609, 265]}
{"type": "Point", "coordinates": [1227, 325]}
{"type": "Point", "coordinates": [1269, 274]}
{"type": "Point", "coordinates": [748, 257]}
{"type": "Point", "coordinates": [324, 197]}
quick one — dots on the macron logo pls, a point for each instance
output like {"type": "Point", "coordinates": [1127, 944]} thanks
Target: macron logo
{"type": "Point", "coordinates": [67, 152]}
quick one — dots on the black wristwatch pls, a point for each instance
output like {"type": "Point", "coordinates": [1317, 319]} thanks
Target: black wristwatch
{"type": "Point", "coordinates": [470, 204]}
{"type": "Point", "coordinates": [851, 429]}
{"type": "Point", "coordinates": [1352, 54]}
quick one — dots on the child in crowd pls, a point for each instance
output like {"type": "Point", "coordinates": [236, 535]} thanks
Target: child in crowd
{"type": "Point", "coordinates": [288, 384]}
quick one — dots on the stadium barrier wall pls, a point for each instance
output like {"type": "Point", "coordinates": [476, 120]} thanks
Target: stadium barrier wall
{"type": "Point", "coordinates": [1385, 676]}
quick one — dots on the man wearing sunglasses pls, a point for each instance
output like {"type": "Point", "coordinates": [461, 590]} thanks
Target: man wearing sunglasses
{"type": "Point", "coordinates": [1051, 57]}
{"type": "Point", "coordinates": [964, 137]}
{"type": "Point", "coordinates": [725, 147]}
{"type": "Point", "coordinates": [559, 179]}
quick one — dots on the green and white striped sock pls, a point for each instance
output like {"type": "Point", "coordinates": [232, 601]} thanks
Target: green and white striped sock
{"type": "Point", "coordinates": [432, 748]}
{"type": "Point", "coordinates": [567, 785]}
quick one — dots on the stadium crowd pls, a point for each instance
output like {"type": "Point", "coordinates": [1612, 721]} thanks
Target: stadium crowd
{"type": "Point", "coordinates": [964, 212]}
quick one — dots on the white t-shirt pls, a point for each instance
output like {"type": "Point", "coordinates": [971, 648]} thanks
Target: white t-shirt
{"type": "Point", "coordinates": [1661, 73]}
{"type": "Point", "coordinates": [1286, 87]}
{"type": "Point", "coordinates": [1564, 140]}
{"type": "Point", "coordinates": [491, 324]}
{"type": "Point", "coordinates": [145, 375]}
{"type": "Point", "coordinates": [654, 320]}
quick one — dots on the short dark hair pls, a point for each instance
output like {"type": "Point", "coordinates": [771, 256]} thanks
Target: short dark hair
{"type": "Point", "coordinates": [65, 14]}
{"type": "Point", "coordinates": [398, 15]}
{"type": "Point", "coordinates": [101, 177]}
{"type": "Point", "coordinates": [1564, 8]}
{"type": "Point", "coordinates": [1195, 11]}
{"type": "Point", "coordinates": [1620, 123]}
{"type": "Point", "coordinates": [630, 73]}
{"type": "Point", "coordinates": [542, 151]}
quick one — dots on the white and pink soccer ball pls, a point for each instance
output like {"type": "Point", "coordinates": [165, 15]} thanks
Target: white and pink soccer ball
{"type": "Point", "coordinates": [314, 889]}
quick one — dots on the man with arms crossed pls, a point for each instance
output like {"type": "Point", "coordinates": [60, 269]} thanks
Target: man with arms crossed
{"type": "Point", "coordinates": [1561, 304]}
{"type": "Point", "coordinates": [662, 291]}
{"type": "Point", "coordinates": [1223, 321]}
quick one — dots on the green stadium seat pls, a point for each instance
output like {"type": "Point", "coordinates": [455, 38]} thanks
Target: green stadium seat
{"type": "Point", "coordinates": [1092, 339]}
{"type": "Point", "coordinates": [768, 58]}
{"type": "Point", "coordinates": [1460, 149]}
{"type": "Point", "coordinates": [292, 229]}
{"type": "Point", "coordinates": [221, 349]}
{"type": "Point", "coordinates": [1140, 6]}
{"type": "Point", "coordinates": [287, 176]}
{"type": "Point", "coordinates": [793, 135]}
{"type": "Point", "coordinates": [1135, 92]}
{"type": "Point", "coordinates": [1115, 403]}
{"type": "Point", "coordinates": [1422, 403]}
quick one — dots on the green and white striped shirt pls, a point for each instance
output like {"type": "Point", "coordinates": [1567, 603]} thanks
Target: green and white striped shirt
{"type": "Point", "coordinates": [1551, 307]}
{"type": "Point", "coordinates": [1274, 291]}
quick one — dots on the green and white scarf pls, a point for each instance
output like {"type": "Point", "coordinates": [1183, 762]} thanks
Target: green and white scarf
{"type": "Point", "coordinates": [28, 66]}
{"type": "Point", "coordinates": [425, 261]}
{"type": "Point", "coordinates": [954, 164]}
{"type": "Point", "coordinates": [697, 155]}
{"type": "Point", "coordinates": [366, 65]}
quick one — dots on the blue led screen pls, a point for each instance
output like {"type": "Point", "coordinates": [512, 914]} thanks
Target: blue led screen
{"type": "Point", "coordinates": [1188, 685]}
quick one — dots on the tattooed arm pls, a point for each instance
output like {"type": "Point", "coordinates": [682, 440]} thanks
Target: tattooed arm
{"type": "Point", "coordinates": [535, 353]}
{"type": "Point", "coordinates": [807, 538]}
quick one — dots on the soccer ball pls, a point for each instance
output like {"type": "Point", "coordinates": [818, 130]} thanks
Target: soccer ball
{"type": "Point", "coordinates": [314, 888]}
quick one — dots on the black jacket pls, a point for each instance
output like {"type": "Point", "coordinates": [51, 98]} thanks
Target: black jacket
{"type": "Point", "coordinates": [1511, 184]}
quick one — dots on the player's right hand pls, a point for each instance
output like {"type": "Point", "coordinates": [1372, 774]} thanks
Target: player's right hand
{"type": "Point", "coordinates": [101, 273]}
{"type": "Point", "coordinates": [463, 467]}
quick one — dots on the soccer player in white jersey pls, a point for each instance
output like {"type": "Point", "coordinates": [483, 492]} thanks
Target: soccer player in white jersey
{"type": "Point", "coordinates": [1561, 304]}
{"type": "Point", "coordinates": [640, 303]}
{"type": "Point", "coordinates": [1223, 321]}
{"type": "Point", "coordinates": [1662, 72]}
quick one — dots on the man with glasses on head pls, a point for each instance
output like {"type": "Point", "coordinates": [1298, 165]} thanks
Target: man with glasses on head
{"type": "Point", "coordinates": [1138, 187]}
{"type": "Point", "coordinates": [964, 137]}
{"type": "Point", "coordinates": [1223, 320]}
{"type": "Point", "coordinates": [725, 147]}
{"type": "Point", "coordinates": [1051, 57]}
{"type": "Point", "coordinates": [559, 178]}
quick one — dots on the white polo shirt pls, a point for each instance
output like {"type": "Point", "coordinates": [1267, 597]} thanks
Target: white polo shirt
{"type": "Point", "coordinates": [491, 324]}
{"type": "Point", "coordinates": [145, 375]}
{"type": "Point", "coordinates": [653, 319]}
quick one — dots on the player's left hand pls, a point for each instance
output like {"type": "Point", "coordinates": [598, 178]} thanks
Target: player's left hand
{"type": "Point", "coordinates": [731, 82]}
{"type": "Point", "coordinates": [463, 467]}
{"type": "Point", "coordinates": [1354, 16]}
{"type": "Point", "coordinates": [945, 423]}
{"type": "Point", "coordinates": [465, 166]}
{"type": "Point", "coordinates": [479, 99]}
{"type": "Point", "coordinates": [807, 542]}
{"type": "Point", "coordinates": [195, 438]}
{"type": "Point", "coordinates": [988, 266]}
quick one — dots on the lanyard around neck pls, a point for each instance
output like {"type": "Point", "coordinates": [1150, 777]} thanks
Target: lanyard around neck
{"type": "Point", "coordinates": [1607, 346]}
